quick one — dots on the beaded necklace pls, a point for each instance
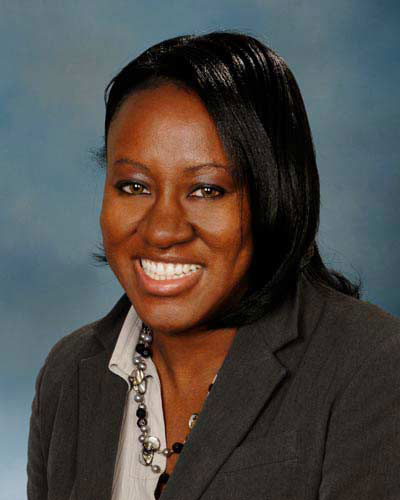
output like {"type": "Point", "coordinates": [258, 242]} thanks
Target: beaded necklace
{"type": "Point", "coordinates": [138, 382]}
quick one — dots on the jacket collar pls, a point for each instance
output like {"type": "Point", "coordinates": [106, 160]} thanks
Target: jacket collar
{"type": "Point", "coordinates": [250, 366]}
{"type": "Point", "coordinates": [109, 327]}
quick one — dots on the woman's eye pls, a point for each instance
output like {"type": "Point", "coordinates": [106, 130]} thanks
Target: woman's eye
{"type": "Point", "coordinates": [131, 187]}
{"type": "Point", "coordinates": [207, 189]}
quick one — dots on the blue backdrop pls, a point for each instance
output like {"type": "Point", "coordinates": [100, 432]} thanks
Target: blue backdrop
{"type": "Point", "coordinates": [56, 58]}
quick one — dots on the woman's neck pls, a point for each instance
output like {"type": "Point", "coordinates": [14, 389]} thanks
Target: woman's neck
{"type": "Point", "coordinates": [183, 361]}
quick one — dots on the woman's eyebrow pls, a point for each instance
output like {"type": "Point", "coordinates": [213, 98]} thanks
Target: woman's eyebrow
{"type": "Point", "coordinates": [191, 169]}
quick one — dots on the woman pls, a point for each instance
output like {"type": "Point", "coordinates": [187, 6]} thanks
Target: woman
{"type": "Point", "coordinates": [235, 365]}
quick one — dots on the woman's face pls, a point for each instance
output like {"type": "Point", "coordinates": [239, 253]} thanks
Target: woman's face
{"type": "Point", "coordinates": [156, 208]}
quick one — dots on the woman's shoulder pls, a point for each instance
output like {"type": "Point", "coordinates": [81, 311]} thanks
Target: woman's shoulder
{"type": "Point", "coordinates": [86, 341]}
{"type": "Point", "coordinates": [346, 338]}
{"type": "Point", "coordinates": [349, 314]}
{"type": "Point", "coordinates": [353, 329]}
{"type": "Point", "coordinates": [74, 346]}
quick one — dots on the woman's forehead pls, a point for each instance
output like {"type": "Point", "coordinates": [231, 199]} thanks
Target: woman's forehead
{"type": "Point", "coordinates": [163, 106]}
{"type": "Point", "coordinates": [166, 121]}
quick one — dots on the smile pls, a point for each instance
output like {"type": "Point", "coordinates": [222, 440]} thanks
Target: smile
{"type": "Point", "coordinates": [167, 279]}
{"type": "Point", "coordinates": [163, 271]}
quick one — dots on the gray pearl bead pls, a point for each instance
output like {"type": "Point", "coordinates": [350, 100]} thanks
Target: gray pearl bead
{"type": "Point", "coordinates": [142, 366]}
{"type": "Point", "coordinates": [138, 398]}
{"type": "Point", "coordinates": [166, 452]}
{"type": "Point", "coordinates": [144, 428]}
{"type": "Point", "coordinates": [141, 438]}
{"type": "Point", "coordinates": [155, 468]}
{"type": "Point", "coordinates": [147, 338]}
{"type": "Point", "coordinates": [137, 359]}
{"type": "Point", "coordinates": [142, 406]}
{"type": "Point", "coordinates": [152, 443]}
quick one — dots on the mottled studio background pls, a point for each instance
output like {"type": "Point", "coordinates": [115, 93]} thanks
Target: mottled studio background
{"type": "Point", "coordinates": [56, 58]}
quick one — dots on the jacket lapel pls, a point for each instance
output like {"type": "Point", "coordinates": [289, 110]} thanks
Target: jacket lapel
{"type": "Point", "coordinates": [248, 377]}
{"type": "Point", "coordinates": [101, 407]}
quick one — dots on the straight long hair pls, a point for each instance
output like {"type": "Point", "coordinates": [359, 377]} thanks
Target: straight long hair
{"type": "Point", "coordinates": [259, 112]}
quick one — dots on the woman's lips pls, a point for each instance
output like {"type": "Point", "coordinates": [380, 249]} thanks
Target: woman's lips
{"type": "Point", "coordinates": [166, 287]}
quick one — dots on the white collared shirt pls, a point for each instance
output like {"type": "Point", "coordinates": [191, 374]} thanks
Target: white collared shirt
{"type": "Point", "coordinates": [132, 480]}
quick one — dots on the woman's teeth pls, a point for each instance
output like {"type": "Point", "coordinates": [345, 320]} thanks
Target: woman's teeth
{"type": "Point", "coordinates": [162, 271]}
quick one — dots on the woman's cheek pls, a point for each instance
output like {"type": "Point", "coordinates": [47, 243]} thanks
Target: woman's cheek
{"type": "Point", "coordinates": [113, 220]}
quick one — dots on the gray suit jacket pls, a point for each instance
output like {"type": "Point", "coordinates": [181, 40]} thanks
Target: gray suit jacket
{"type": "Point", "coordinates": [306, 406]}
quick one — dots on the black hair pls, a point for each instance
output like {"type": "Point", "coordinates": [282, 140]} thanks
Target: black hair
{"type": "Point", "coordinates": [259, 112]}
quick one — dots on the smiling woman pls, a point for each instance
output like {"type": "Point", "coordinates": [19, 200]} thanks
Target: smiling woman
{"type": "Point", "coordinates": [186, 210]}
{"type": "Point", "coordinates": [235, 365]}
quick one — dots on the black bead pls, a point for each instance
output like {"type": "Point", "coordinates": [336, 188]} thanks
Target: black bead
{"type": "Point", "coordinates": [143, 350]}
{"type": "Point", "coordinates": [141, 421]}
{"type": "Point", "coordinates": [141, 413]}
{"type": "Point", "coordinates": [177, 447]}
{"type": "Point", "coordinates": [146, 352]}
{"type": "Point", "coordinates": [140, 346]}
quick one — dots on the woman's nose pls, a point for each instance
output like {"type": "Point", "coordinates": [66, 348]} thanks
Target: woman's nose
{"type": "Point", "coordinates": [165, 223]}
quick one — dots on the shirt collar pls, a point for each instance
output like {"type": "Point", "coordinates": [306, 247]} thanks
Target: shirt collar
{"type": "Point", "coordinates": [121, 362]}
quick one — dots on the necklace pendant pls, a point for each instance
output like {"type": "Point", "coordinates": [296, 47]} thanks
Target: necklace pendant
{"type": "Point", "coordinates": [137, 376]}
{"type": "Point", "coordinates": [151, 443]}
{"type": "Point", "coordinates": [146, 457]}
{"type": "Point", "coordinates": [142, 387]}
